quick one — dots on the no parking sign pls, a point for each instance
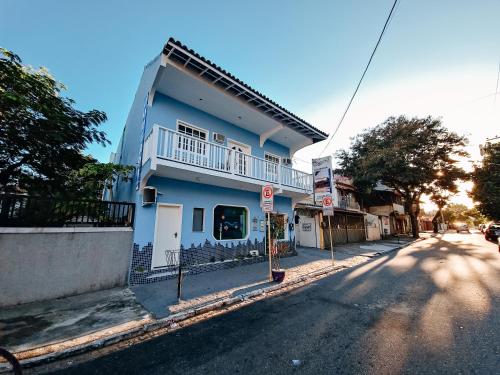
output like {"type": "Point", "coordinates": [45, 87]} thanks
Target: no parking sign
{"type": "Point", "coordinates": [327, 202]}
{"type": "Point", "coordinates": [267, 197]}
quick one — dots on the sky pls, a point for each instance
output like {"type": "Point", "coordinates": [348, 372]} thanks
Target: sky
{"type": "Point", "coordinates": [438, 58]}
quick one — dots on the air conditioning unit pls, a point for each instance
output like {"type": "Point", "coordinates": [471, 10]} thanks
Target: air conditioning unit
{"type": "Point", "coordinates": [148, 195]}
{"type": "Point", "coordinates": [219, 138]}
{"type": "Point", "coordinates": [286, 161]}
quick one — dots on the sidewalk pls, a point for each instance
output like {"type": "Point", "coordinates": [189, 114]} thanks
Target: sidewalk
{"type": "Point", "coordinates": [38, 329]}
{"type": "Point", "coordinates": [161, 298]}
{"type": "Point", "coordinates": [32, 325]}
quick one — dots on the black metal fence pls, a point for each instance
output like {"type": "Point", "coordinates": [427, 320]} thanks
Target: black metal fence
{"type": "Point", "coordinates": [18, 210]}
{"type": "Point", "coordinates": [201, 259]}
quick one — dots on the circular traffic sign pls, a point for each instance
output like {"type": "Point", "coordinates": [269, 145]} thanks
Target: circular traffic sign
{"type": "Point", "coordinates": [267, 192]}
{"type": "Point", "coordinates": [327, 201]}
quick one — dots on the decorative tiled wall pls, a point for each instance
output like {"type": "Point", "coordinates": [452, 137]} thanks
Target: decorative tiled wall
{"type": "Point", "coordinates": [197, 259]}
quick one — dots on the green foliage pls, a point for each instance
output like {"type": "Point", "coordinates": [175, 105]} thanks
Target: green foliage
{"type": "Point", "coordinates": [486, 178]}
{"type": "Point", "coordinates": [460, 213]}
{"type": "Point", "coordinates": [42, 136]}
{"type": "Point", "coordinates": [93, 178]}
{"type": "Point", "coordinates": [277, 227]}
{"type": "Point", "coordinates": [414, 156]}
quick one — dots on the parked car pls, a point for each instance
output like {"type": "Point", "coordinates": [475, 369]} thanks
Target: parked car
{"type": "Point", "coordinates": [462, 228]}
{"type": "Point", "coordinates": [492, 232]}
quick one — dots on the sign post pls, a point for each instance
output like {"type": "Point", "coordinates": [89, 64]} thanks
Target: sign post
{"type": "Point", "coordinates": [327, 202]}
{"type": "Point", "coordinates": [322, 178]}
{"type": "Point", "coordinates": [267, 203]}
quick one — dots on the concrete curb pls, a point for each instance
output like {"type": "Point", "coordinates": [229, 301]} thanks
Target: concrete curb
{"type": "Point", "coordinates": [173, 320]}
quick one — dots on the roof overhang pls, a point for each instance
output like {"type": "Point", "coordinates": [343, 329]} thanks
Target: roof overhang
{"type": "Point", "coordinates": [186, 76]}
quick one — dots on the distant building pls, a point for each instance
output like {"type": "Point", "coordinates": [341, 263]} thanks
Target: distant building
{"type": "Point", "coordinates": [388, 205]}
{"type": "Point", "coordinates": [348, 224]}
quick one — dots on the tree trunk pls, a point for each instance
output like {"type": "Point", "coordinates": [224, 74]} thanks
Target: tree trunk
{"type": "Point", "coordinates": [414, 225]}
{"type": "Point", "coordinates": [435, 221]}
{"type": "Point", "coordinates": [413, 216]}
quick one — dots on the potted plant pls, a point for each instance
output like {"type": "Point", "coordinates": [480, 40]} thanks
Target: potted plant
{"type": "Point", "coordinates": [277, 231]}
{"type": "Point", "coordinates": [277, 272]}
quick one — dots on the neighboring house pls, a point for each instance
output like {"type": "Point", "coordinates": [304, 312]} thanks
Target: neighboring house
{"type": "Point", "coordinates": [425, 223]}
{"type": "Point", "coordinates": [348, 224]}
{"type": "Point", "coordinates": [204, 143]}
{"type": "Point", "coordinates": [388, 205]}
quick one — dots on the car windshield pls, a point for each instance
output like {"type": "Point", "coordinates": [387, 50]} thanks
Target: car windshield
{"type": "Point", "coordinates": [495, 226]}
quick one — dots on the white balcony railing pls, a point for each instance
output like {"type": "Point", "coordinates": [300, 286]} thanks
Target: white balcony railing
{"type": "Point", "coordinates": [185, 149]}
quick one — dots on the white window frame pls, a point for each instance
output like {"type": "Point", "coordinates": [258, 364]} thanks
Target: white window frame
{"type": "Point", "coordinates": [272, 155]}
{"type": "Point", "coordinates": [269, 173]}
{"type": "Point", "coordinates": [189, 125]}
{"type": "Point", "coordinates": [233, 239]}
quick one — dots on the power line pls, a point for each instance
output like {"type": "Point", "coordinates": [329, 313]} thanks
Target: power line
{"type": "Point", "coordinates": [362, 76]}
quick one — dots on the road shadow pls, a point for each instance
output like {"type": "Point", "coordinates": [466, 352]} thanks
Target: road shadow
{"type": "Point", "coordinates": [430, 308]}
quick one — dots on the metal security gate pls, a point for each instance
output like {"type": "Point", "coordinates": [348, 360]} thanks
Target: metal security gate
{"type": "Point", "coordinates": [346, 228]}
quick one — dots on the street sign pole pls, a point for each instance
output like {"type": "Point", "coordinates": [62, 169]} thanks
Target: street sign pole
{"type": "Point", "coordinates": [269, 246]}
{"type": "Point", "coordinates": [267, 203]}
{"type": "Point", "coordinates": [328, 210]}
{"type": "Point", "coordinates": [331, 240]}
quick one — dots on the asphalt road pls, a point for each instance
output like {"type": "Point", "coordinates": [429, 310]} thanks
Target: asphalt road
{"type": "Point", "coordinates": [432, 308]}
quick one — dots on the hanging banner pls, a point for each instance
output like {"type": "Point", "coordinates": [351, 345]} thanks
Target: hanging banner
{"type": "Point", "coordinates": [327, 204]}
{"type": "Point", "coordinates": [267, 198]}
{"type": "Point", "coordinates": [322, 178]}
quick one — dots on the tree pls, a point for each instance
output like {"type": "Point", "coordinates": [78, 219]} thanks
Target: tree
{"type": "Point", "coordinates": [42, 136]}
{"type": "Point", "coordinates": [440, 198]}
{"type": "Point", "coordinates": [486, 178]}
{"type": "Point", "coordinates": [95, 178]}
{"type": "Point", "coordinates": [413, 156]}
{"type": "Point", "coordinates": [460, 213]}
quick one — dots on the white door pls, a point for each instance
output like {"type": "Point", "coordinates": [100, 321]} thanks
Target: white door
{"type": "Point", "coordinates": [307, 230]}
{"type": "Point", "coordinates": [167, 236]}
{"type": "Point", "coordinates": [241, 162]}
{"type": "Point", "coordinates": [272, 164]}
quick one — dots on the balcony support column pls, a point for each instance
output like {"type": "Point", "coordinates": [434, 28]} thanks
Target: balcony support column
{"type": "Point", "coordinates": [266, 135]}
{"type": "Point", "coordinates": [154, 142]}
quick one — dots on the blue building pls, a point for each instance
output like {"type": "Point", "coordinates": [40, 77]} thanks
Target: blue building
{"type": "Point", "coordinates": [203, 144]}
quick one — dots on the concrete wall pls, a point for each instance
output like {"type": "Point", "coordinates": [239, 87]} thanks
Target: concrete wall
{"type": "Point", "coordinates": [44, 263]}
{"type": "Point", "coordinates": [373, 227]}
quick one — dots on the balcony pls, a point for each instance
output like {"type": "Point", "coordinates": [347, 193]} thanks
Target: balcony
{"type": "Point", "coordinates": [387, 210]}
{"type": "Point", "coordinates": [176, 155]}
{"type": "Point", "coordinates": [349, 204]}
